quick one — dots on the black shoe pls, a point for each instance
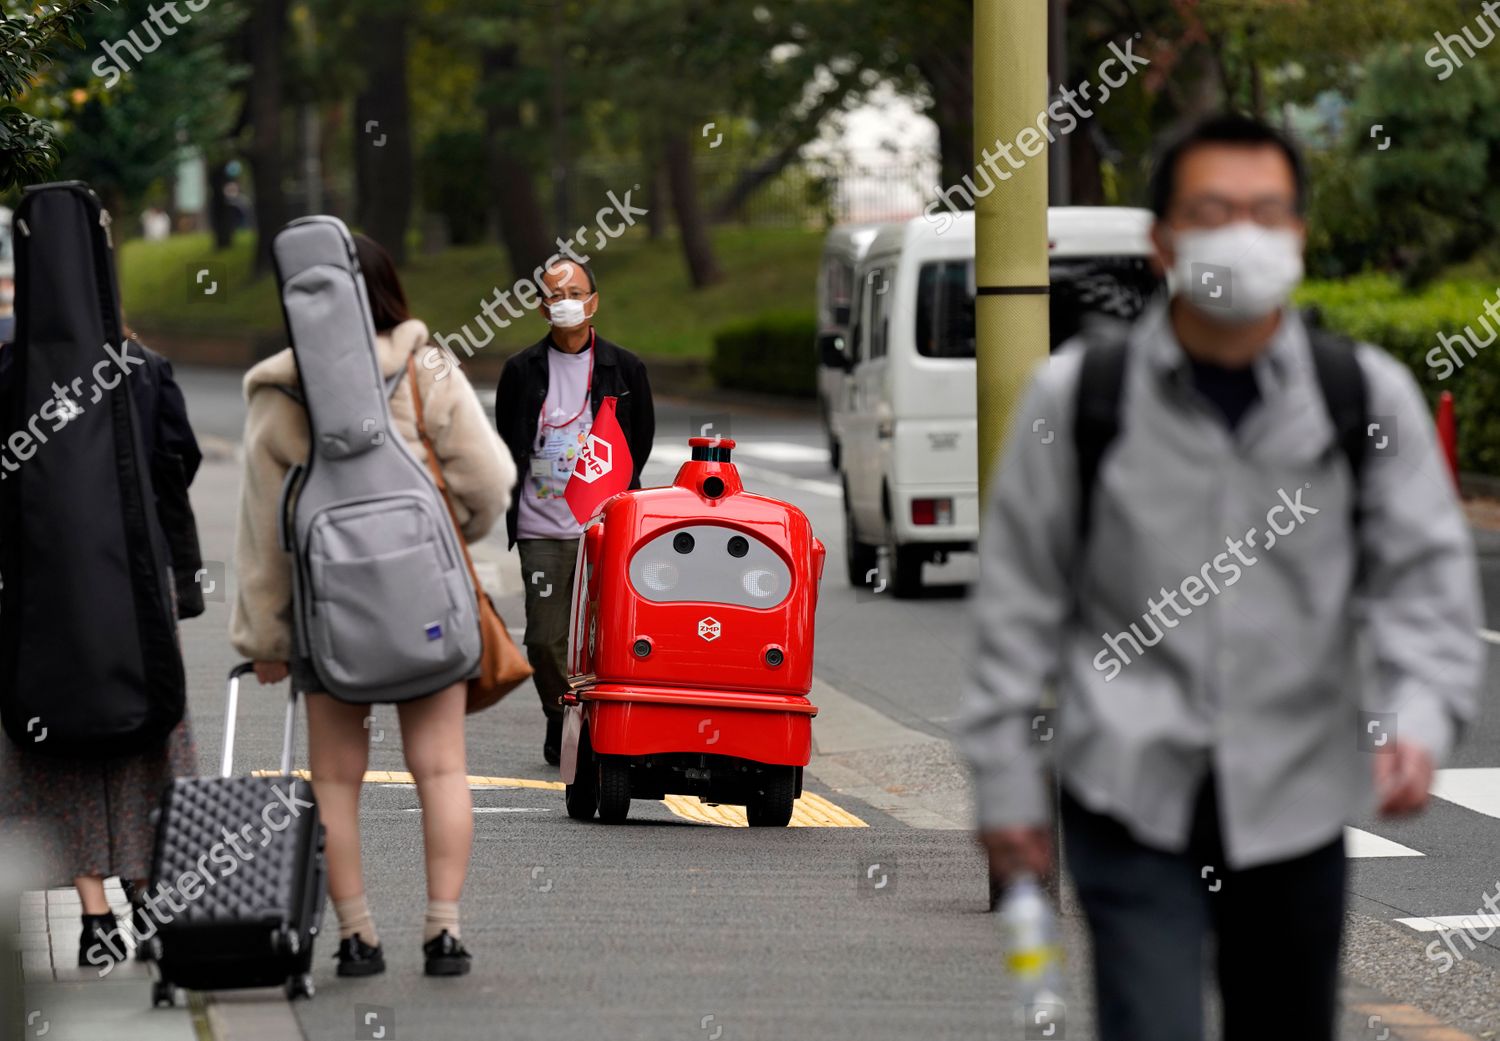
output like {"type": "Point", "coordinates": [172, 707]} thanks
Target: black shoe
{"type": "Point", "coordinates": [357, 958]}
{"type": "Point", "coordinates": [552, 746]}
{"type": "Point", "coordinates": [102, 944]}
{"type": "Point", "coordinates": [446, 956]}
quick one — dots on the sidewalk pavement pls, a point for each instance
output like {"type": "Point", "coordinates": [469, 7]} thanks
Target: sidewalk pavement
{"type": "Point", "coordinates": [64, 1002]}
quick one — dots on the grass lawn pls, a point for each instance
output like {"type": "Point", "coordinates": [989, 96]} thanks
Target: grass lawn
{"type": "Point", "coordinates": [646, 303]}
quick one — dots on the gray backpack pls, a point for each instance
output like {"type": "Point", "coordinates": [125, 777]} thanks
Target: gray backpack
{"type": "Point", "coordinates": [383, 606]}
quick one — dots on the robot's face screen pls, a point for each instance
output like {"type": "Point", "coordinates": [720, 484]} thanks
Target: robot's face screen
{"type": "Point", "coordinates": [710, 563]}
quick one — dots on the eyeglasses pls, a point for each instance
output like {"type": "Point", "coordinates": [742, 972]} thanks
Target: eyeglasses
{"type": "Point", "coordinates": [571, 293]}
{"type": "Point", "coordinates": [1215, 211]}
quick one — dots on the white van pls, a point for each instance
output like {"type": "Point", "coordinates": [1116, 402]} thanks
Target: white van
{"type": "Point", "coordinates": [906, 412]}
{"type": "Point", "coordinates": [843, 249]}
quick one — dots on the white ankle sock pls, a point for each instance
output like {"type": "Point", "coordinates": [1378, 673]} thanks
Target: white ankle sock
{"type": "Point", "coordinates": [441, 914]}
{"type": "Point", "coordinates": [354, 917]}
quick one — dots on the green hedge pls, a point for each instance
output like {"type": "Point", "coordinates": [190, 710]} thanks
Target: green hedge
{"type": "Point", "coordinates": [1376, 309]}
{"type": "Point", "coordinates": [774, 353]}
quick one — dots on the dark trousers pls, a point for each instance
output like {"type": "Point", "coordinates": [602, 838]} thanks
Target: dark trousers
{"type": "Point", "coordinates": [547, 570]}
{"type": "Point", "coordinates": [1277, 928]}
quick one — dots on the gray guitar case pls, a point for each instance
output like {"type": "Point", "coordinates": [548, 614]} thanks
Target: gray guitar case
{"type": "Point", "coordinates": [384, 609]}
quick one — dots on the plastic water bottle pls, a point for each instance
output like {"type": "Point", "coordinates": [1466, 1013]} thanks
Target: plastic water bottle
{"type": "Point", "coordinates": [1033, 959]}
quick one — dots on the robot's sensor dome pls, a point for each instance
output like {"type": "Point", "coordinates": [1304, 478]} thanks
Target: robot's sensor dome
{"type": "Point", "coordinates": [711, 449]}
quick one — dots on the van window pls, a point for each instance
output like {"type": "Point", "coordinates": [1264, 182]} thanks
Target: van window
{"type": "Point", "coordinates": [838, 291]}
{"type": "Point", "coordinates": [878, 289]}
{"type": "Point", "coordinates": [945, 309]}
{"type": "Point", "coordinates": [1092, 287]}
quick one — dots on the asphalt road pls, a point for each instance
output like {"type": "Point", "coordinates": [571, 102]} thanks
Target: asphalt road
{"type": "Point", "coordinates": [671, 927]}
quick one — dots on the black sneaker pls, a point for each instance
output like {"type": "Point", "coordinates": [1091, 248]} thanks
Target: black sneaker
{"type": "Point", "coordinates": [101, 944]}
{"type": "Point", "coordinates": [552, 746]}
{"type": "Point", "coordinates": [446, 956]}
{"type": "Point", "coordinates": [357, 958]}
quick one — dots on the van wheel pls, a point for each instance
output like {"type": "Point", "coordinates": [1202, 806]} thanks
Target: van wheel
{"type": "Point", "coordinates": [614, 791]}
{"type": "Point", "coordinates": [904, 569]}
{"type": "Point", "coordinates": [771, 807]}
{"type": "Point", "coordinates": [860, 558]}
{"type": "Point", "coordinates": [582, 796]}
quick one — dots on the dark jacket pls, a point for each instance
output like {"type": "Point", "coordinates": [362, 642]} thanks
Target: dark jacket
{"type": "Point", "coordinates": [523, 392]}
{"type": "Point", "coordinates": [168, 440]}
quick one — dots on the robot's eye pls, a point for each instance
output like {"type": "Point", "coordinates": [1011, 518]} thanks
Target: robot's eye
{"type": "Point", "coordinates": [660, 575]}
{"type": "Point", "coordinates": [760, 583]}
{"type": "Point", "coordinates": [739, 546]}
{"type": "Point", "coordinates": [682, 542]}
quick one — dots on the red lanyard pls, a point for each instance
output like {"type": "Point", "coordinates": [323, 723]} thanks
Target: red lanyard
{"type": "Point", "coordinates": [587, 395]}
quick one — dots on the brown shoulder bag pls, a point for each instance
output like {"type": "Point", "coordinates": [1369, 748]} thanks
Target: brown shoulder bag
{"type": "Point", "coordinates": [502, 666]}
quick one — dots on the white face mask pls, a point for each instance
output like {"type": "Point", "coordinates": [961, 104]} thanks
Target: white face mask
{"type": "Point", "coordinates": [566, 314]}
{"type": "Point", "coordinates": [1237, 273]}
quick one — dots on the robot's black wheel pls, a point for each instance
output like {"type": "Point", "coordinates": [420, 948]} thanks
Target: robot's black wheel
{"type": "Point", "coordinates": [163, 994]}
{"type": "Point", "coordinates": [614, 791]}
{"type": "Point", "coordinates": [300, 986]}
{"type": "Point", "coordinates": [771, 807]}
{"type": "Point", "coordinates": [582, 796]}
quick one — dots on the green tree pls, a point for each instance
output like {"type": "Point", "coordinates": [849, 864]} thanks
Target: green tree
{"type": "Point", "coordinates": [29, 41]}
{"type": "Point", "coordinates": [1433, 185]}
{"type": "Point", "coordinates": [123, 130]}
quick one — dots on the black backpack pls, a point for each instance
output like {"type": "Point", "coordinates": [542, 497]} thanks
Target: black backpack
{"type": "Point", "coordinates": [1101, 386]}
{"type": "Point", "coordinates": [89, 660]}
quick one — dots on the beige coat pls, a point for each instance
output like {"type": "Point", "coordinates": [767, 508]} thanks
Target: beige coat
{"type": "Point", "coordinates": [479, 472]}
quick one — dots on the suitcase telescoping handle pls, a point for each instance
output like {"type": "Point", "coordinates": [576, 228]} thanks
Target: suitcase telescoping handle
{"type": "Point", "coordinates": [226, 767]}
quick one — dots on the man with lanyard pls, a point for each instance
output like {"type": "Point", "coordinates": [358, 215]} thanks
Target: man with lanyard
{"type": "Point", "coordinates": [544, 409]}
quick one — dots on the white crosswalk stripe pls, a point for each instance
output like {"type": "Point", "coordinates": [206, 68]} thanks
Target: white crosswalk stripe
{"type": "Point", "coordinates": [1362, 845]}
{"type": "Point", "coordinates": [1452, 921]}
{"type": "Point", "coordinates": [1476, 788]}
{"type": "Point", "coordinates": [782, 452]}
{"type": "Point", "coordinates": [1473, 788]}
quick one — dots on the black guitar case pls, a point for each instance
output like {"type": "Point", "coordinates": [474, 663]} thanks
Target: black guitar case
{"type": "Point", "coordinates": [89, 660]}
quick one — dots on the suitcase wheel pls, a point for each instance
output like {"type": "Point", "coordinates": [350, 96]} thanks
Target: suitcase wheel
{"type": "Point", "coordinates": [300, 987]}
{"type": "Point", "coordinates": [163, 994]}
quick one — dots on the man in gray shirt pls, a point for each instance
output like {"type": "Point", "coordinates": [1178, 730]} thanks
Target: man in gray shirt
{"type": "Point", "coordinates": [1250, 614]}
{"type": "Point", "coordinates": [544, 409]}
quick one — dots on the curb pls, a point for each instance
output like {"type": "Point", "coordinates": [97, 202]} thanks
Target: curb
{"type": "Point", "coordinates": [250, 1015]}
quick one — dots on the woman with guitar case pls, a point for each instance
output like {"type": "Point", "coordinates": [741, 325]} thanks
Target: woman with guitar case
{"type": "Point", "coordinates": [351, 569]}
{"type": "Point", "coordinates": [92, 690]}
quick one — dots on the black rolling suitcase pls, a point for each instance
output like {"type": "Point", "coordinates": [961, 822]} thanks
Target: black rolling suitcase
{"type": "Point", "coordinates": [255, 844]}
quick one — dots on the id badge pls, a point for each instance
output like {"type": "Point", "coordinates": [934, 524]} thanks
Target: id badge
{"type": "Point", "coordinates": [540, 467]}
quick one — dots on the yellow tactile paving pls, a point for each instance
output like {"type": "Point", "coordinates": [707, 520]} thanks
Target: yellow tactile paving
{"type": "Point", "coordinates": [1411, 1023]}
{"type": "Point", "coordinates": [810, 811]}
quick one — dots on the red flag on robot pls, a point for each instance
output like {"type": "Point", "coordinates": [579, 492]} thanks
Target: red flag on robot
{"type": "Point", "coordinates": [604, 465]}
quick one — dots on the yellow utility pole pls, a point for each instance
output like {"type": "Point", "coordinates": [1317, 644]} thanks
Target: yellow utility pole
{"type": "Point", "coordinates": [1010, 222]}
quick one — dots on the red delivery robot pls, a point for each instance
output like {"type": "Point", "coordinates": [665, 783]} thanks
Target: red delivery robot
{"type": "Point", "coordinates": [691, 648]}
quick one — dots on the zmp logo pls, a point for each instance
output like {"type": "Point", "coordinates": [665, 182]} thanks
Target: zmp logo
{"type": "Point", "coordinates": [709, 629]}
{"type": "Point", "coordinates": [595, 460]}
